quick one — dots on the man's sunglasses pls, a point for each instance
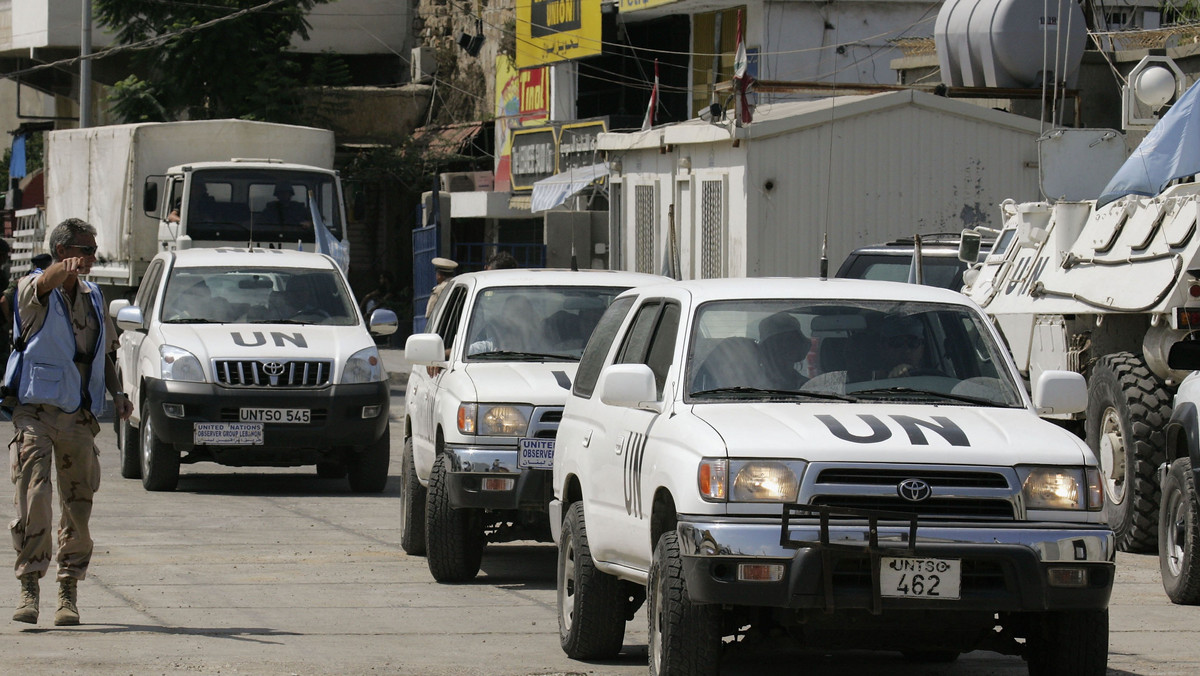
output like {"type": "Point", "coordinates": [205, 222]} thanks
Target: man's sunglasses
{"type": "Point", "coordinates": [908, 342]}
{"type": "Point", "coordinates": [85, 250]}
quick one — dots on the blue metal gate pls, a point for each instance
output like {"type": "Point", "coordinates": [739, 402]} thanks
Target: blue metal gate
{"type": "Point", "coordinates": [425, 244]}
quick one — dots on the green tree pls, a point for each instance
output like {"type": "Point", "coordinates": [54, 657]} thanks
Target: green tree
{"type": "Point", "coordinates": [237, 66]}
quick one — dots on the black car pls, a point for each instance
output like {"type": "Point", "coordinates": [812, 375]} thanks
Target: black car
{"type": "Point", "coordinates": [891, 261]}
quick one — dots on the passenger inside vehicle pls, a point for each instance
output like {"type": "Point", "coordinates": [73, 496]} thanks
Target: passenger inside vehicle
{"type": "Point", "coordinates": [784, 347]}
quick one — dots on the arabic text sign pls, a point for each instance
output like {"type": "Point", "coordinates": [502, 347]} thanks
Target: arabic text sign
{"type": "Point", "coordinates": [635, 5]}
{"type": "Point", "coordinates": [556, 30]}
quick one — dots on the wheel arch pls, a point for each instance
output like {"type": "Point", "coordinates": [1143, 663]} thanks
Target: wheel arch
{"type": "Point", "coordinates": [663, 516]}
{"type": "Point", "coordinates": [1183, 434]}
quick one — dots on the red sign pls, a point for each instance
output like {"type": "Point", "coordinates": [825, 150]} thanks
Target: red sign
{"type": "Point", "coordinates": [534, 92]}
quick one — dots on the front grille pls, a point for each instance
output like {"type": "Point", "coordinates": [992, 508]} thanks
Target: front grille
{"type": "Point", "coordinates": [933, 508]}
{"type": "Point", "coordinates": [935, 478]}
{"type": "Point", "coordinates": [269, 373]}
{"type": "Point", "coordinates": [543, 424]}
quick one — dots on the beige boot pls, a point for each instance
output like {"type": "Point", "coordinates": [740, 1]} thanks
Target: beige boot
{"type": "Point", "coordinates": [27, 610]}
{"type": "Point", "coordinates": [67, 614]}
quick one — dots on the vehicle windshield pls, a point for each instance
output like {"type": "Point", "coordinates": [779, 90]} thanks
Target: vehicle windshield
{"type": "Point", "coordinates": [260, 205]}
{"type": "Point", "coordinates": [839, 350]}
{"type": "Point", "coordinates": [257, 296]}
{"type": "Point", "coordinates": [535, 323]}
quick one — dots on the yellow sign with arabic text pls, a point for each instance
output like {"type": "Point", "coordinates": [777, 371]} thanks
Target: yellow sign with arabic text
{"type": "Point", "coordinates": [549, 31]}
{"type": "Point", "coordinates": [635, 5]}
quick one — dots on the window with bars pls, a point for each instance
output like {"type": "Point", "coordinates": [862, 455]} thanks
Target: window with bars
{"type": "Point", "coordinates": [712, 231]}
{"type": "Point", "coordinates": [643, 223]}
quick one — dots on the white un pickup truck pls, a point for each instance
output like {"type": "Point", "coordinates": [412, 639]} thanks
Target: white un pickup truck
{"type": "Point", "coordinates": [251, 357]}
{"type": "Point", "coordinates": [482, 405]}
{"type": "Point", "coordinates": [850, 464]}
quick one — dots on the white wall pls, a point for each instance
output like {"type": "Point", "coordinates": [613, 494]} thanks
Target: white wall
{"type": "Point", "coordinates": [360, 27]}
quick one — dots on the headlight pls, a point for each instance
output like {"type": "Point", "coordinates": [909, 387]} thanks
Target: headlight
{"type": "Point", "coordinates": [762, 481]}
{"type": "Point", "coordinates": [364, 366]}
{"type": "Point", "coordinates": [494, 420]}
{"type": "Point", "coordinates": [1061, 488]}
{"type": "Point", "coordinates": [753, 480]}
{"type": "Point", "coordinates": [178, 364]}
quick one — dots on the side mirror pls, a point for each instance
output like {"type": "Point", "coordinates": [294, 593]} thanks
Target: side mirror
{"type": "Point", "coordinates": [115, 306]}
{"type": "Point", "coordinates": [1185, 355]}
{"type": "Point", "coordinates": [968, 246]}
{"type": "Point", "coordinates": [128, 318]}
{"type": "Point", "coordinates": [627, 385]}
{"type": "Point", "coordinates": [1060, 392]}
{"type": "Point", "coordinates": [425, 349]}
{"type": "Point", "coordinates": [383, 322]}
{"type": "Point", "coordinates": [150, 197]}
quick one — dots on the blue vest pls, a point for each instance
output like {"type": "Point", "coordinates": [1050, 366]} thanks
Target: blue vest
{"type": "Point", "coordinates": [45, 372]}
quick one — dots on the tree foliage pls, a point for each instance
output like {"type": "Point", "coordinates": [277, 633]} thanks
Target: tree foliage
{"type": "Point", "coordinates": [238, 67]}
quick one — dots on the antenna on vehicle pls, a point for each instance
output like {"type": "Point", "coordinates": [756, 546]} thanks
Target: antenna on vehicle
{"type": "Point", "coordinates": [824, 256]}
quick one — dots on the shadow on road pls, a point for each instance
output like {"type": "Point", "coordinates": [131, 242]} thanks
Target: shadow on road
{"type": "Point", "coordinates": [250, 634]}
{"type": "Point", "coordinates": [519, 566]}
{"type": "Point", "coordinates": [304, 482]}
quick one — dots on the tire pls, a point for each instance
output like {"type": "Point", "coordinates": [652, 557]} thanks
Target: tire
{"type": "Point", "coordinates": [1128, 408]}
{"type": "Point", "coordinates": [160, 461]}
{"type": "Point", "coordinates": [412, 505]}
{"type": "Point", "coordinates": [331, 470]}
{"type": "Point", "coordinates": [685, 638]}
{"type": "Point", "coordinates": [453, 537]}
{"type": "Point", "coordinates": [1179, 535]}
{"type": "Point", "coordinates": [129, 447]}
{"type": "Point", "coordinates": [368, 470]}
{"type": "Point", "coordinates": [591, 606]}
{"type": "Point", "coordinates": [1068, 642]}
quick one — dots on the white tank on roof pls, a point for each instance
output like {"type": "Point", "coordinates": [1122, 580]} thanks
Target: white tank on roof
{"type": "Point", "coordinates": [1009, 43]}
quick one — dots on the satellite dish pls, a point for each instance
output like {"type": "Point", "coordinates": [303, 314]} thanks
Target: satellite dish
{"type": "Point", "coordinates": [1154, 87]}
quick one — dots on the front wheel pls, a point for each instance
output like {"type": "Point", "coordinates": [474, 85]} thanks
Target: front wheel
{"type": "Point", "coordinates": [591, 618]}
{"type": "Point", "coordinates": [368, 471]}
{"type": "Point", "coordinates": [128, 447]}
{"type": "Point", "coordinates": [1128, 407]}
{"type": "Point", "coordinates": [1068, 642]}
{"type": "Point", "coordinates": [453, 537]}
{"type": "Point", "coordinates": [1179, 535]}
{"type": "Point", "coordinates": [160, 461]}
{"type": "Point", "coordinates": [684, 637]}
{"type": "Point", "coordinates": [412, 505]}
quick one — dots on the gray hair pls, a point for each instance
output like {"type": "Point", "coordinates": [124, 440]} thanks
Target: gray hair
{"type": "Point", "coordinates": [65, 233]}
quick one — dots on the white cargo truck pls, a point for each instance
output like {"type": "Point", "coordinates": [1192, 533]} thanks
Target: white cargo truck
{"type": "Point", "coordinates": [153, 187]}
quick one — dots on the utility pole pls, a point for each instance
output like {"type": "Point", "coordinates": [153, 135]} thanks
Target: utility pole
{"type": "Point", "coordinates": [85, 65]}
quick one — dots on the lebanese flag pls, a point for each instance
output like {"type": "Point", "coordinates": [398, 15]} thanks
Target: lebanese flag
{"type": "Point", "coordinates": [742, 81]}
{"type": "Point", "coordinates": [649, 120]}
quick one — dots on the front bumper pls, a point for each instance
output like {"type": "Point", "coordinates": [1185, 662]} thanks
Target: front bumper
{"type": "Point", "coordinates": [337, 416]}
{"type": "Point", "coordinates": [471, 466]}
{"type": "Point", "coordinates": [835, 566]}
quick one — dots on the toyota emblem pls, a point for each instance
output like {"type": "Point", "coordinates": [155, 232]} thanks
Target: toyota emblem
{"type": "Point", "coordinates": [914, 490]}
{"type": "Point", "coordinates": [273, 368]}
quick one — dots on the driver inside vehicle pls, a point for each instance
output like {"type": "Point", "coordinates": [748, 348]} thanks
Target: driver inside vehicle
{"type": "Point", "coordinates": [901, 347]}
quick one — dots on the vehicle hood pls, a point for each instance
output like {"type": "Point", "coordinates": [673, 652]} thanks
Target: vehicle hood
{"type": "Point", "coordinates": [266, 341]}
{"type": "Point", "coordinates": [892, 433]}
{"type": "Point", "coordinates": [536, 383]}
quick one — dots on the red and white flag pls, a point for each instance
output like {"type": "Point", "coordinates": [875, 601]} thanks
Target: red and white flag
{"type": "Point", "coordinates": [742, 80]}
{"type": "Point", "coordinates": [649, 120]}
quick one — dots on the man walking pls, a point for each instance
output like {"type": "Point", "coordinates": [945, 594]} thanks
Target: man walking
{"type": "Point", "coordinates": [56, 377]}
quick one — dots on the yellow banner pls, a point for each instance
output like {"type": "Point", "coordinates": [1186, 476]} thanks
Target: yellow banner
{"type": "Point", "coordinates": [556, 30]}
{"type": "Point", "coordinates": [635, 5]}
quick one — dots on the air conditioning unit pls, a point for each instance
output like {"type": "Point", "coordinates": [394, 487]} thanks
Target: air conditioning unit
{"type": "Point", "coordinates": [423, 65]}
{"type": "Point", "coordinates": [460, 181]}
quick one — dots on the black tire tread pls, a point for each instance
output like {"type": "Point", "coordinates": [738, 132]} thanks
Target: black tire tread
{"type": "Point", "coordinates": [367, 472]}
{"type": "Point", "coordinates": [1149, 405]}
{"type": "Point", "coordinates": [131, 450]}
{"type": "Point", "coordinates": [453, 537]}
{"type": "Point", "coordinates": [598, 629]}
{"type": "Point", "coordinates": [162, 472]}
{"type": "Point", "coordinates": [1184, 589]}
{"type": "Point", "coordinates": [1069, 642]}
{"type": "Point", "coordinates": [691, 637]}
{"type": "Point", "coordinates": [412, 531]}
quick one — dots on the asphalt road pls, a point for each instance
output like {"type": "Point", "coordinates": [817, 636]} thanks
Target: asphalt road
{"type": "Point", "coordinates": [279, 572]}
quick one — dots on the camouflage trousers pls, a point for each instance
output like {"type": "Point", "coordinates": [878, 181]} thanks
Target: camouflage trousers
{"type": "Point", "coordinates": [45, 438]}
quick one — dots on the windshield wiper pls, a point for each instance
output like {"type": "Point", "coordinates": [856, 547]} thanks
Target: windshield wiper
{"type": "Point", "coordinates": [977, 401]}
{"type": "Point", "coordinates": [515, 354]}
{"type": "Point", "coordinates": [742, 389]}
{"type": "Point", "coordinates": [192, 320]}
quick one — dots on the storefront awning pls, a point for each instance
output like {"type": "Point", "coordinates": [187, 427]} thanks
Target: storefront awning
{"type": "Point", "coordinates": [554, 190]}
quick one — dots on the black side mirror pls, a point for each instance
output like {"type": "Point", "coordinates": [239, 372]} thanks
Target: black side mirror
{"type": "Point", "coordinates": [150, 197]}
{"type": "Point", "coordinates": [968, 246]}
{"type": "Point", "coordinates": [1185, 355]}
